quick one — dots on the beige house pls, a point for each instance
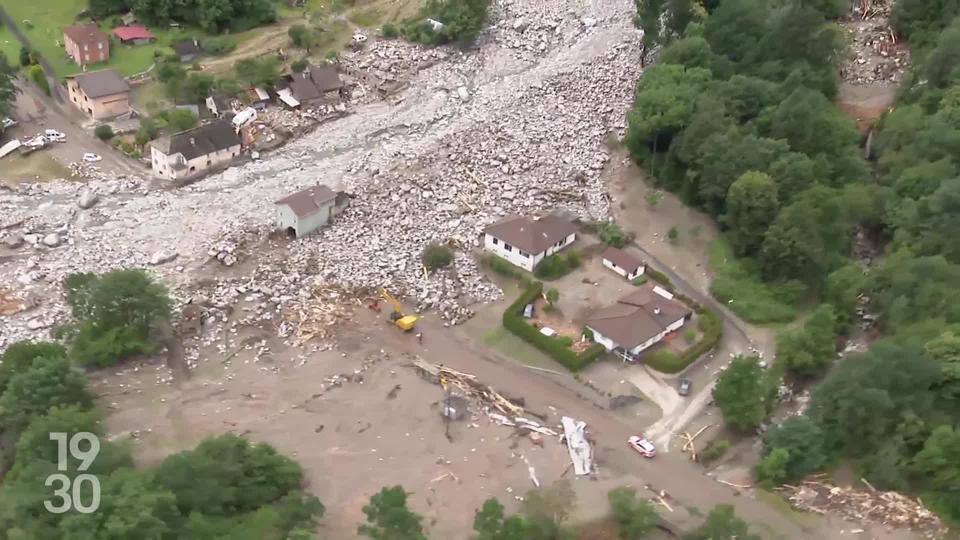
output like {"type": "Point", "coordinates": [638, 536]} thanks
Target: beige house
{"type": "Point", "coordinates": [86, 44]}
{"type": "Point", "coordinates": [100, 94]}
{"type": "Point", "coordinates": [195, 152]}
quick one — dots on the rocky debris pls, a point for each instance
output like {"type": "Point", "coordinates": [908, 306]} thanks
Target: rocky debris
{"type": "Point", "coordinates": [87, 199]}
{"type": "Point", "coordinates": [428, 167]}
{"type": "Point", "coordinates": [162, 257]}
{"type": "Point", "coordinates": [875, 56]}
{"type": "Point", "coordinates": [13, 241]}
{"type": "Point", "coordinates": [51, 240]}
{"type": "Point", "coordinates": [868, 505]}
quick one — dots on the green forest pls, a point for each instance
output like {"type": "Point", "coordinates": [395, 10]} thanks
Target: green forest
{"type": "Point", "coordinates": [738, 120]}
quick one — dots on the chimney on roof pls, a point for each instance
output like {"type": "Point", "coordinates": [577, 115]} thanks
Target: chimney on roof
{"type": "Point", "coordinates": [656, 311]}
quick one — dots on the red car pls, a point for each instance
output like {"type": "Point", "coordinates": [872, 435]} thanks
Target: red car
{"type": "Point", "coordinates": [642, 445]}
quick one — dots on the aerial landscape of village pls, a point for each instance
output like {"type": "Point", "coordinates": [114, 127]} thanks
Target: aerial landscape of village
{"type": "Point", "coordinates": [493, 269]}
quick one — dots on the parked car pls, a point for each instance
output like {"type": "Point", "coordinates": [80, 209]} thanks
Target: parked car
{"type": "Point", "coordinates": [90, 157]}
{"type": "Point", "coordinates": [528, 311]}
{"type": "Point", "coordinates": [683, 387]}
{"type": "Point", "coordinates": [642, 445]}
{"type": "Point", "coordinates": [53, 135]}
{"type": "Point", "coordinates": [9, 122]}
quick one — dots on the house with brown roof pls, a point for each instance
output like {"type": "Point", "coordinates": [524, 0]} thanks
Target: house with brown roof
{"type": "Point", "coordinates": [312, 86]}
{"type": "Point", "coordinates": [86, 44]}
{"type": "Point", "coordinates": [100, 94]}
{"type": "Point", "coordinates": [623, 263]}
{"type": "Point", "coordinates": [638, 321]}
{"type": "Point", "coordinates": [305, 211]}
{"type": "Point", "coordinates": [525, 242]}
{"type": "Point", "coordinates": [195, 152]}
{"type": "Point", "coordinates": [134, 34]}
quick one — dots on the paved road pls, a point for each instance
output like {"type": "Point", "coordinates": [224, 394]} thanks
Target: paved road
{"type": "Point", "coordinates": [36, 112]}
{"type": "Point", "coordinates": [55, 88]}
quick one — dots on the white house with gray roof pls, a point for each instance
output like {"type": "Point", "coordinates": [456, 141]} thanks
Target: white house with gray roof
{"type": "Point", "coordinates": [195, 152]}
{"type": "Point", "coordinates": [305, 211]}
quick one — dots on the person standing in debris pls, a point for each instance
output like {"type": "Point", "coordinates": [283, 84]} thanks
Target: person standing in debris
{"type": "Point", "coordinates": [420, 338]}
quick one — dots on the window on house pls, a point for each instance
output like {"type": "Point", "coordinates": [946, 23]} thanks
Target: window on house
{"type": "Point", "coordinates": [100, 45]}
{"type": "Point", "coordinates": [507, 246]}
{"type": "Point", "coordinates": [495, 241]}
{"type": "Point", "coordinates": [524, 255]}
{"type": "Point", "coordinates": [85, 47]}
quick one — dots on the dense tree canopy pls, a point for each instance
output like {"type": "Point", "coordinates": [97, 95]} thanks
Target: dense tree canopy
{"type": "Point", "coordinates": [211, 15]}
{"type": "Point", "coordinates": [741, 394]}
{"type": "Point", "coordinates": [114, 313]}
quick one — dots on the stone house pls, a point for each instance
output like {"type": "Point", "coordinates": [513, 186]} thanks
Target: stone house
{"type": "Point", "coordinates": [195, 152]}
{"type": "Point", "coordinates": [86, 44]}
{"type": "Point", "coordinates": [623, 263]}
{"type": "Point", "coordinates": [525, 242]}
{"type": "Point", "coordinates": [637, 321]}
{"type": "Point", "coordinates": [305, 211]}
{"type": "Point", "coordinates": [100, 94]}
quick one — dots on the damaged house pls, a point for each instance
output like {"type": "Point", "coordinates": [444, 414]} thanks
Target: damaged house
{"type": "Point", "coordinates": [313, 86]}
{"type": "Point", "coordinates": [305, 211]}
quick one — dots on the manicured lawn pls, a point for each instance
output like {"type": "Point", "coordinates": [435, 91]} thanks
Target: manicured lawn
{"type": "Point", "coordinates": [745, 294]}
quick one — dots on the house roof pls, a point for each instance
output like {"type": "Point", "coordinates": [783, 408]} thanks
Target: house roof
{"type": "Point", "coordinates": [199, 141]}
{"type": "Point", "coordinates": [637, 317]}
{"type": "Point", "coordinates": [326, 78]}
{"type": "Point", "coordinates": [531, 235]}
{"type": "Point", "coordinates": [303, 88]}
{"type": "Point", "coordinates": [136, 31]}
{"type": "Point", "coordinates": [303, 203]}
{"type": "Point", "coordinates": [84, 34]}
{"type": "Point", "coordinates": [187, 46]}
{"type": "Point", "coordinates": [622, 259]}
{"type": "Point", "coordinates": [104, 82]}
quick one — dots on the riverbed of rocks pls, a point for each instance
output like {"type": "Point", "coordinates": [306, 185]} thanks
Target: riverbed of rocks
{"type": "Point", "coordinates": [479, 135]}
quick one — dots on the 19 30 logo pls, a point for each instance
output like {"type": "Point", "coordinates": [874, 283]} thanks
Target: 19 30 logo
{"type": "Point", "coordinates": [83, 446]}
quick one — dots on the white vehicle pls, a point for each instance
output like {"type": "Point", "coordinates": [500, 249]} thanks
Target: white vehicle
{"type": "Point", "coordinates": [359, 37]}
{"type": "Point", "coordinates": [53, 135]}
{"type": "Point", "coordinates": [642, 445]}
{"type": "Point", "coordinates": [90, 157]}
{"type": "Point", "coordinates": [9, 122]}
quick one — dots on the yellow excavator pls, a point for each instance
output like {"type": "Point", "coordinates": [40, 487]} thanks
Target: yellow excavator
{"type": "Point", "coordinates": [403, 322]}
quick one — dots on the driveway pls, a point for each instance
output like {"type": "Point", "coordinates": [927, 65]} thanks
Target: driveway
{"type": "Point", "coordinates": [36, 112]}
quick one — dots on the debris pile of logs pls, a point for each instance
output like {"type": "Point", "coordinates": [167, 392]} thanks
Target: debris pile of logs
{"type": "Point", "coordinates": [315, 316]}
{"type": "Point", "coordinates": [868, 505]}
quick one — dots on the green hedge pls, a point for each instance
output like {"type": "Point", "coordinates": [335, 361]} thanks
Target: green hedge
{"type": "Point", "coordinates": [552, 345]}
{"type": "Point", "coordinates": [660, 278]}
{"type": "Point", "coordinates": [504, 268]}
{"type": "Point", "coordinates": [557, 265]}
{"type": "Point", "coordinates": [712, 326]}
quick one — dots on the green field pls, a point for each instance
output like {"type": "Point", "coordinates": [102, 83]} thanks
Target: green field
{"type": "Point", "coordinates": [744, 293]}
{"type": "Point", "coordinates": [43, 20]}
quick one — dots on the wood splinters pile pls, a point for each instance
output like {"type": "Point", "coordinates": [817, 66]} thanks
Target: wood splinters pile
{"type": "Point", "coordinates": [315, 316]}
{"type": "Point", "coordinates": [887, 508]}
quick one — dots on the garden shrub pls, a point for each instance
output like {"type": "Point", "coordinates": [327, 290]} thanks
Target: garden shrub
{"type": "Point", "coordinates": [103, 132]}
{"type": "Point", "coordinates": [557, 265]}
{"type": "Point", "coordinates": [436, 256]}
